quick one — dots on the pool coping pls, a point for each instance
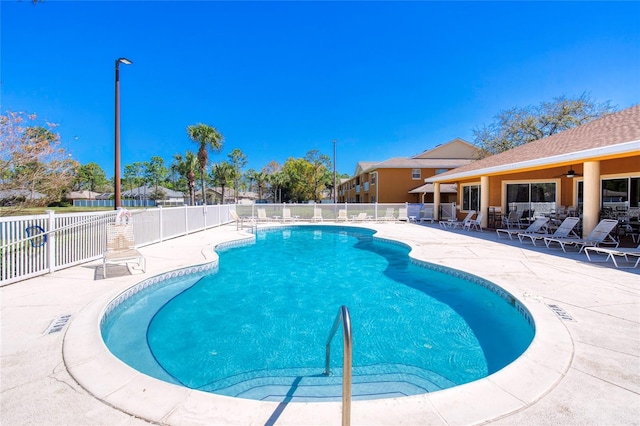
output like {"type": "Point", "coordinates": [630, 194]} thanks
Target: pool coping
{"type": "Point", "coordinates": [509, 390]}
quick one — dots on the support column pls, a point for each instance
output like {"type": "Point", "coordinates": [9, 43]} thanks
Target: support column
{"type": "Point", "coordinates": [436, 201]}
{"type": "Point", "coordinates": [484, 200]}
{"type": "Point", "coordinates": [591, 194]}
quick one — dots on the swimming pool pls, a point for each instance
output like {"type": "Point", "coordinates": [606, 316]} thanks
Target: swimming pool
{"type": "Point", "coordinates": [416, 329]}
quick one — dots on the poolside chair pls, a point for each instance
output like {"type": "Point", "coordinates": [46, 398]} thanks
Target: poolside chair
{"type": "Point", "coordinates": [342, 215]}
{"type": "Point", "coordinates": [402, 214]}
{"type": "Point", "coordinates": [240, 221]}
{"type": "Point", "coordinates": [317, 215]}
{"type": "Point", "coordinates": [599, 235]}
{"type": "Point", "coordinates": [262, 215]}
{"type": "Point", "coordinates": [388, 216]}
{"type": "Point", "coordinates": [361, 217]}
{"type": "Point", "coordinates": [121, 247]}
{"type": "Point", "coordinates": [452, 224]}
{"type": "Point", "coordinates": [612, 253]}
{"type": "Point", "coordinates": [512, 219]}
{"type": "Point", "coordinates": [286, 214]}
{"type": "Point", "coordinates": [565, 230]}
{"type": "Point", "coordinates": [426, 215]}
{"type": "Point", "coordinates": [474, 223]}
{"type": "Point", "coordinates": [539, 226]}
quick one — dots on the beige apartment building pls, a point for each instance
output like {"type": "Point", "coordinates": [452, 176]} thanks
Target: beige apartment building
{"type": "Point", "coordinates": [400, 180]}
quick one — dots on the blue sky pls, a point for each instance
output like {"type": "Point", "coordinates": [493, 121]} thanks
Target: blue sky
{"type": "Point", "coordinates": [277, 79]}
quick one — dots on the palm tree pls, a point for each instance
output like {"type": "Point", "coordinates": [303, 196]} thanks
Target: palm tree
{"type": "Point", "coordinates": [187, 167]}
{"type": "Point", "coordinates": [207, 137]}
{"type": "Point", "coordinates": [223, 172]}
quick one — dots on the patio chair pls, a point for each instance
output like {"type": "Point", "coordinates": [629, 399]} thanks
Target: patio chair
{"type": "Point", "coordinates": [474, 223]}
{"type": "Point", "coordinates": [539, 226]}
{"type": "Point", "coordinates": [286, 214]}
{"type": "Point", "coordinates": [426, 215]}
{"type": "Point", "coordinates": [599, 235]}
{"type": "Point", "coordinates": [121, 247]}
{"type": "Point", "coordinates": [361, 217]}
{"type": "Point", "coordinates": [262, 215]}
{"type": "Point", "coordinates": [388, 216]}
{"type": "Point", "coordinates": [512, 219]}
{"type": "Point", "coordinates": [240, 221]}
{"type": "Point", "coordinates": [342, 215]}
{"type": "Point", "coordinates": [612, 253]}
{"type": "Point", "coordinates": [564, 230]}
{"type": "Point", "coordinates": [452, 224]}
{"type": "Point", "coordinates": [317, 215]}
{"type": "Point", "coordinates": [402, 214]}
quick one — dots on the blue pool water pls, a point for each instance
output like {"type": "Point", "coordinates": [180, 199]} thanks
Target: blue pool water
{"type": "Point", "coordinates": [257, 327]}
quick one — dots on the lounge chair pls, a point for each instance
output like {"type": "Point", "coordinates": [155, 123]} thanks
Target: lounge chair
{"type": "Point", "coordinates": [599, 235]}
{"type": "Point", "coordinates": [361, 217]}
{"type": "Point", "coordinates": [474, 223]}
{"type": "Point", "coordinates": [565, 230]}
{"type": "Point", "coordinates": [121, 247]}
{"type": "Point", "coordinates": [452, 224]}
{"type": "Point", "coordinates": [538, 226]}
{"type": "Point", "coordinates": [402, 214]}
{"type": "Point", "coordinates": [342, 215]}
{"type": "Point", "coordinates": [240, 221]}
{"type": "Point", "coordinates": [426, 215]}
{"type": "Point", "coordinates": [612, 253]}
{"type": "Point", "coordinates": [262, 215]}
{"type": "Point", "coordinates": [286, 215]}
{"type": "Point", "coordinates": [388, 216]}
{"type": "Point", "coordinates": [317, 215]}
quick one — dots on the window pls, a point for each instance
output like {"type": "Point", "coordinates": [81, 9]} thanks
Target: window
{"type": "Point", "coordinates": [471, 197]}
{"type": "Point", "coordinates": [415, 174]}
{"type": "Point", "coordinates": [438, 171]}
{"type": "Point", "coordinates": [373, 178]}
{"type": "Point", "coordinates": [537, 197]}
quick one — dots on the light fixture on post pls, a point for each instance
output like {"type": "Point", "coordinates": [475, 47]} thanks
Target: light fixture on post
{"type": "Point", "coordinates": [117, 197]}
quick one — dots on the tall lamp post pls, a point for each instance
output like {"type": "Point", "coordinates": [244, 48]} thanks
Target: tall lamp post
{"type": "Point", "coordinates": [116, 178]}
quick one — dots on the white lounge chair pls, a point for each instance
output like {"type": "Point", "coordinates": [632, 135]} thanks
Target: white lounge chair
{"type": "Point", "coordinates": [402, 214]}
{"type": "Point", "coordinates": [565, 230]}
{"type": "Point", "coordinates": [121, 247]}
{"type": "Point", "coordinates": [342, 215]}
{"type": "Point", "coordinates": [361, 217]}
{"type": "Point", "coordinates": [286, 215]}
{"type": "Point", "coordinates": [613, 253]}
{"type": "Point", "coordinates": [599, 235]}
{"type": "Point", "coordinates": [388, 216]}
{"type": "Point", "coordinates": [426, 215]}
{"type": "Point", "coordinates": [538, 226]}
{"type": "Point", "coordinates": [317, 215]}
{"type": "Point", "coordinates": [452, 224]}
{"type": "Point", "coordinates": [262, 215]}
{"type": "Point", "coordinates": [474, 223]}
{"type": "Point", "coordinates": [240, 220]}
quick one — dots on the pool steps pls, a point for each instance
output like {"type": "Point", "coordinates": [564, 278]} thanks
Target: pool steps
{"type": "Point", "coordinates": [306, 385]}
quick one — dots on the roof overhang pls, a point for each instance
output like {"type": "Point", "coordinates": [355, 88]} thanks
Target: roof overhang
{"type": "Point", "coordinates": [446, 188]}
{"type": "Point", "coordinates": [600, 153]}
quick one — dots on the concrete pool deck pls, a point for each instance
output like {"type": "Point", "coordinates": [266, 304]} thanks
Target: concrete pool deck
{"type": "Point", "coordinates": [583, 366]}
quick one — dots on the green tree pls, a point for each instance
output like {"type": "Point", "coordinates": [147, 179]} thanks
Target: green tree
{"type": "Point", "coordinates": [91, 177]}
{"type": "Point", "coordinates": [187, 168]}
{"type": "Point", "coordinates": [223, 173]}
{"type": "Point", "coordinates": [238, 161]}
{"type": "Point", "coordinates": [517, 126]}
{"type": "Point", "coordinates": [133, 174]}
{"type": "Point", "coordinates": [300, 176]}
{"type": "Point", "coordinates": [278, 181]}
{"type": "Point", "coordinates": [261, 181]}
{"type": "Point", "coordinates": [155, 172]}
{"type": "Point", "coordinates": [32, 159]}
{"type": "Point", "coordinates": [207, 137]}
{"type": "Point", "coordinates": [322, 176]}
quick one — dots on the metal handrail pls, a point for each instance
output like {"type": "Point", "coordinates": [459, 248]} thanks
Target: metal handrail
{"type": "Point", "coordinates": [343, 316]}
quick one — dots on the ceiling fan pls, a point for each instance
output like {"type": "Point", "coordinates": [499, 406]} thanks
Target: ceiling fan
{"type": "Point", "coordinates": [570, 173]}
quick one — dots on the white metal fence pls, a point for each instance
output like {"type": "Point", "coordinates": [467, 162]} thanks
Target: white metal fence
{"type": "Point", "coordinates": [40, 244]}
